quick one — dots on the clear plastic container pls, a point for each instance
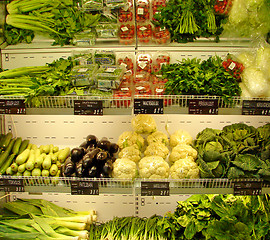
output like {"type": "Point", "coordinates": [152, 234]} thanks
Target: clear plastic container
{"type": "Point", "coordinates": [90, 5]}
{"type": "Point", "coordinates": [126, 60]}
{"type": "Point", "coordinates": [155, 6]}
{"type": "Point", "coordinates": [109, 76]}
{"type": "Point", "coordinates": [161, 35]}
{"type": "Point", "coordinates": [144, 33]}
{"type": "Point", "coordinates": [127, 34]}
{"type": "Point", "coordinates": [83, 57]}
{"type": "Point", "coordinates": [107, 30]}
{"type": "Point", "coordinates": [85, 39]}
{"type": "Point", "coordinates": [83, 75]}
{"type": "Point", "coordinates": [144, 62]}
{"type": "Point", "coordinates": [142, 77]}
{"type": "Point", "coordinates": [142, 88]}
{"type": "Point", "coordinates": [105, 57]}
{"type": "Point", "coordinates": [125, 16]}
{"type": "Point", "coordinates": [142, 10]}
{"type": "Point", "coordinates": [112, 4]}
{"type": "Point", "coordinates": [160, 59]}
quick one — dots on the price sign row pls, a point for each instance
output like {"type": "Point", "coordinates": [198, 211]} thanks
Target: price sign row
{"type": "Point", "coordinates": [145, 106]}
{"type": "Point", "coordinates": [247, 187]}
{"type": "Point", "coordinates": [11, 185]}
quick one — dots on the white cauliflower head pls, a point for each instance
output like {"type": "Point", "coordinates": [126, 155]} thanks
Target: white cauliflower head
{"type": "Point", "coordinates": [185, 168]}
{"type": "Point", "coordinates": [156, 149]}
{"type": "Point", "coordinates": [181, 151]}
{"type": "Point", "coordinates": [124, 168]}
{"type": "Point", "coordinates": [180, 136]}
{"type": "Point", "coordinates": [131, 152]}
{"type": "Point", "coordinates": [143, 123]}
{"type": "Point", "coordinates": [129, 138]}
{"type": "Point", "coordinates": [159, 137]}
{"type": "Point", "coordinates": [153, 167]}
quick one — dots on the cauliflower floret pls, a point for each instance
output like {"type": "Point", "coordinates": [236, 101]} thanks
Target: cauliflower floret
{"type": "Point", "coordinates": [124, 168]}
{"type": "Point", "coordinates": [129, 138]}
{"type": "Point", "coordinates": [158, 137]}
{"type": "Point", "coordinates": [153, 167]}
{"type": "Point", "coordinates": [182, 151]}
{"type": "Point", "coordinates": [131, 152]}
{"type": "Point", "coordinates": [185, 168]}
{"type": "Point", "coordinates": [143, 123]}
{"type": "Point", "coordinates": [156, 149]}
{"type": "Point", "coordinates": [180, 136]}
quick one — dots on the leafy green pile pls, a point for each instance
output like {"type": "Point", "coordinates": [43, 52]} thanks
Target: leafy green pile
{"type": "Point", "coordinates": [188, 20]}
{"type": "Point", "coordinates": [218, 217]}
{"type": "Point", "coordinates": [127, 228]}
{"type": "Point", "coordinates": [58, 19]}
{"type": "Point", "coordinates": [197, 77]}
{"type": "Point", "coordinates": [236, 151]}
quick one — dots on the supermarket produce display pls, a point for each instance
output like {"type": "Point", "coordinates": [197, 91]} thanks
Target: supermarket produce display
{"type": "Point", "coordinates": [133, 182]}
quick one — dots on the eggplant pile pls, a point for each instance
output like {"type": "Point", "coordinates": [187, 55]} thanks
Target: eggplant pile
{"type": "Point", "coordinates": [92, 159]}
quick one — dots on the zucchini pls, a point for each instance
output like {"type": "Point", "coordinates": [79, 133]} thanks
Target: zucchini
{"type": "Point", "coordinates": [9, 171]}
{"type": "Point", "coordinates": [14, 167]}
{"type": "Point", "coordinates": [22, 158]}
{"type": "Point", "coordinates": [7, 140]}
{"type": "Point", "coordinates": [23, 146]}
{"type": "Point", "coordinates": [6, 153]}
{"type": "Point", "coordinates": [16, 146]}
{"type": "Point", "coordinates": [47, 162]}
{"type": "Point", "coordinates": [21, 168]}
{"type": "Point", "coordinates": [30, 163]}
{"type": "Point", "coordinates": [63, 154]}
{"type": "Point", "coordinates": [7, 163]}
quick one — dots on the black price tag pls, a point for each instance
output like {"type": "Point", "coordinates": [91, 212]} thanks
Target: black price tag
{"type": "Point", "coordinates": [254, 107]}
{"type": "Point", "coordinates": [247, 187]}
{"type": "Point", "coordinates": [203, 106]}
{"type": "Point", "coordinates": [148, 106]}
{"type": "Point", "coordinates": [82, 187]}
{"type": "Point", "coordinates": [88, 107]}
{"type": "Point", "coordinates": [11, 185]}
{"type": "Point", "coordinates": [14, 106]}
{"type": "Point", "coordinates": [155, 188]}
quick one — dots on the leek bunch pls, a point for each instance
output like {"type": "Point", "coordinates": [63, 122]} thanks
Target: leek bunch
{"type": "Point", "coordinates": [41, 219]}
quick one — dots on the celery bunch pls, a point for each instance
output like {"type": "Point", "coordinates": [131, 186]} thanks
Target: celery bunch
{"type": "Point", "coordinates": [56, 19]}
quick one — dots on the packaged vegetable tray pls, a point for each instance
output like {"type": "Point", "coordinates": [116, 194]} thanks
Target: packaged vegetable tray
{"type": "Point", "coordinates": [105, 57]}
{"type": "Point", "coordinates": [85, 39]}
{"type": "Point", "coordinates": [84, 75]}
{"type": "Point", "coordinates": [107, 30]}
{"type": "Point", "coordinates": [109, 76]}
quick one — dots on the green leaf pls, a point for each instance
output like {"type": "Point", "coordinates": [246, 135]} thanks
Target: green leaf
{"type": "Point", "coordinates": [235, 172]}
{"type": "Point", "coordinates": [247, 162]}
{"type": "Point", "coordinates": [190, 230]}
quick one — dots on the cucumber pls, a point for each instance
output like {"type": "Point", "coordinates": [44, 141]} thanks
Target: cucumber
{"type": "Point", "coordinates": [7, 164]}
{"type": "Point", "coordinates": [30, 163]}
{"type": "Point", "coordinates": [47, 162]}
{"type": "Point", "coordinates": [63, 154]}
{"type": "Point", "coordinates": [7, 140]}
{"type": "Point", "coordinates": [22, 158]}
{"type": "Point", "coordinates": [16, 146]}
{"type": "Point", "coordinates": [6, 153]}
{"type": "Point", "coordinates": [23, 146]}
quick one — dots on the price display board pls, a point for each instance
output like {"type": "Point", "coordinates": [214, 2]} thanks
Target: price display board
{"type": "Point", "coordinates": [14, 106]}
{"type": "Point", "coordinates": [81, 187]}
{"type": "Point", "coordinates": [254, 107]}
{"type": "Point", "coordinates": [247, 187]}
{"type": "Point", "coordinates": [203, 106]}
{"type": "Point", "coordinates": [11, 185]}
{"type": "Point", "coordinates": [155, 189]}
{"type": "Point", "coordinates": [88, 107]}
{"type": "Point", "coordinates": [148, 106]}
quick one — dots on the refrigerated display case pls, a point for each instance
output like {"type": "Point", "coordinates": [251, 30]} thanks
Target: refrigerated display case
{"type": "Point", "coordinates": [54, 122]}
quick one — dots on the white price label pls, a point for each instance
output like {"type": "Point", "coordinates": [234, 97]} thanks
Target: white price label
{"type": "Point", "coordinates": [140, 11]}
{"type": "Point", "coordinates": [232, 66]}
{"type": "Point", "coordinates": [124, 29]}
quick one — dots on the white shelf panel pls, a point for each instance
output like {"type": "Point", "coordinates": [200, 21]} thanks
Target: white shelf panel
{"type": "Point", "coordinates": [71, 130]}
